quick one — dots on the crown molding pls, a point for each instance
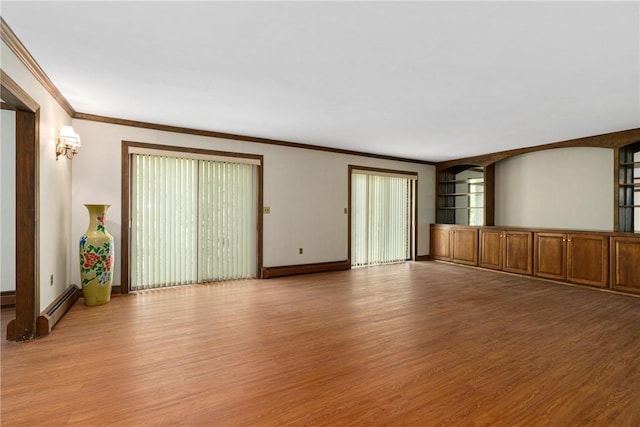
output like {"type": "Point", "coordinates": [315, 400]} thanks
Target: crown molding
{"type": "Point", "coordinates": [11, 40]}
{"type": "Point", "coordinates": [236, 137]}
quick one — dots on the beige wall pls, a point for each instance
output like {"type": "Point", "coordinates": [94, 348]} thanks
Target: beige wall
{"type": "Point", "coordinates": [55, 183]}
{"type": "Point", "coordinates": [569, 188]}
{"type": "Point", "coordinates": [305, 189]}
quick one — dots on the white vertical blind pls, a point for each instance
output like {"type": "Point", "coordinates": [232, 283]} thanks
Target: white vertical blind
{"type": "Point", "coordinates": [227, 221]}
{"type": "Point", "coordinates": [381, 218]}
{"type": "Point", "coordinates": [192, 221]}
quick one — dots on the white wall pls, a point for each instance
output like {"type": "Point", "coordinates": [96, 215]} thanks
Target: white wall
{"type": "Point", "coordinates": [568, 188]}
{"type": "Point", "coordinates": [8, 201]}
{"type": "Point", "coordinates": [55, 183]}
{"type": "Point", "coordinates": [306, 190]}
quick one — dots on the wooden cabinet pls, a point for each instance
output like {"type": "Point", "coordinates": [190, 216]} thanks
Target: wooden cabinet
{"type": "Point", "coordinates": [506, 250]}
{"type": "Point", "coordinates": [491, 249]}
{"type": "Point", "coordinates": [464, 245]}
{"type": "Point", "coordinates": [518, 252]}
{"type": "Point", "coordinates": [625, 264]}
{"type": "Point", "coordinates": [599, 259]}
{"type": "Point", "coordinates": [588, 259]}
{"type": "Point", "coordinates": [580, 258]}
{"type": "Point", "coordinates": [550, 255]}
{"type": "Point", "coordinates": [441, 242]}
{"type": "Point", "coordinates": [455, 243]}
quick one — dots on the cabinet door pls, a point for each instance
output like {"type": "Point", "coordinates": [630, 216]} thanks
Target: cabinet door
{"type": "Point", "coordinates": [625, 264]}
{"type": "Point", "coordinates": [464, 246]}
{"type": "Point", "coordinates": [518, 252]}
{"type": "Point", "coordinates": [491, 249]}
{"type": "Point", "coordinates": [588, 259]}
{"type": "Point", "coordinates": [441, 243]}
{"type": "Point", "coordinates": [550, 256]}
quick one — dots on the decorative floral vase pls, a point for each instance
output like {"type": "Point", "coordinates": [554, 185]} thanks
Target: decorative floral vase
{"type": "Point", "coordinates": [96, 258]}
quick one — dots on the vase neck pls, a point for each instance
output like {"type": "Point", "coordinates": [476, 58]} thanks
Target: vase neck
{"type": "Point", "coordinates": [97, 216]}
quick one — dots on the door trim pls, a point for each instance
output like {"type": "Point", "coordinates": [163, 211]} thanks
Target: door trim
{"type": "Point", "coordinates": [413, 196]}
{"type": "Point", "coordinates": [23, 327]}
{"type": "Point", "coordinates": [125, 257]}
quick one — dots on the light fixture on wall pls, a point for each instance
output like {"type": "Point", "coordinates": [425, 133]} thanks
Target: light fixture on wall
{"type": "Point", "coordinates": [68, 143]}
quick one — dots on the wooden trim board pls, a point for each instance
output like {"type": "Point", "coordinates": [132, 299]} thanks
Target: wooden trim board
{"type": "Point", "coordinates": [237, 137]}
{"type": "Point", "coordinates": [8, 299]}
{"type": "Point", "coordinates": [291, 270]}
{"type": "Point", "coordinates": [607, 140]}
{"type": "Point", "coordinates": [27, 293]}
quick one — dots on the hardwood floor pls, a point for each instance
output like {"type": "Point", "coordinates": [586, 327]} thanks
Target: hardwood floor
{"type": "Point", "coordinates": [427, 344]}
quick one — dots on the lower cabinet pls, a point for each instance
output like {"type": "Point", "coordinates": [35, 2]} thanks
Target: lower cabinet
{"type": "Point", "coordinates": [625, 264]}
{"type": "Point", "coordinates": [604, 260]}
{"type": "Point", "coordinates": [506, 250]}
{"type": "Point", "coordinates": [458, 244]}
{"type": "Point", "coordinates": [577, 258]}
{"type": "Point", "coordinates": [550, 256]}
{"type": "Point", "coordinates": [588, 259]}
{"type": "Point", "coordinates": [441, 242]}
{"type": "Point", "coordinates": [464, 246]}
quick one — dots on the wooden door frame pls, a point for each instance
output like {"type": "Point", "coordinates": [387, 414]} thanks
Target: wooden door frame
{"type": "Point", "coordinates": [413, 197]}
{"type": "Point", "coordinates": [125, 194]}
{"type": "Point", "coordinates": [23, 327]}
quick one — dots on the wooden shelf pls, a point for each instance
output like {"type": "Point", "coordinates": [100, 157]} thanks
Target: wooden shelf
{"type": "Point", "coordinates": [460, 207]}
{"type": "Point", "coordinates": [463, 181]}
{"type": "Point", "coordinates": [628, 188]}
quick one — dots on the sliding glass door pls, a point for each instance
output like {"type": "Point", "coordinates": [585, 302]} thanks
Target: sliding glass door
{"type": "Point", "coordinates": [193, 220]}
{"type": "Point", "coordinates": [381, 217]}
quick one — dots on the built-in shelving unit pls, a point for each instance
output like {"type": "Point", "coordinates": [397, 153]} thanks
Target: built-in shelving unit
{"type": "Point", "coordinates": [629, 188]}
{"type": "Point", "coordinates": [461, 195]}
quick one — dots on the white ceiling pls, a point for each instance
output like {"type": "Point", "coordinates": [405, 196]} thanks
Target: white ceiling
{"type": "Point", "coordinates": [423, 80]}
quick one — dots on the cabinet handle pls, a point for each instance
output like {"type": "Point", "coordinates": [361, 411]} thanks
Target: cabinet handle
{"type": "Point", "coordinates": [564, 240]}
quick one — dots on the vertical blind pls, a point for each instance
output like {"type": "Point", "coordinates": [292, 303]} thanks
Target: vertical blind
{"type": "Point", "coordinates": [380, 219]}
{"type": "Point", "coordinates": [227, 237]}
{"type": "Point", "coordinates": [193, 220]}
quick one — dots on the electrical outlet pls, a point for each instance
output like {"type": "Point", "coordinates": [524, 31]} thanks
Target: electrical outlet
{"type": "Point", "coordinates": [51, 280]}
{"type": "Point", "coordinates": [266, 210]}
{"type": "Point", "coordinates": [300, 251]}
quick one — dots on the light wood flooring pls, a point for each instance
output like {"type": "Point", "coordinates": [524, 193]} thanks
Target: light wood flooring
{"type": "Point", "coordinates": [426, 344]}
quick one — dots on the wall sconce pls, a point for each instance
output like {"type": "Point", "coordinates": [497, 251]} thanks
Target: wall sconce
{"type": "Point", "coordinates": [68, 143]}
